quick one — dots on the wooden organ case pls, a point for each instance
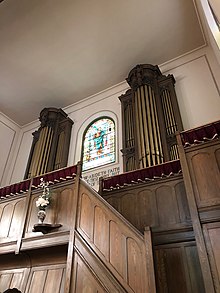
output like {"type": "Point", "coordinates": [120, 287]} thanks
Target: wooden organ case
{"type": "Point", "coordinates": [151, 117]}
{"type": "Point", "coordinates": [50, 145]}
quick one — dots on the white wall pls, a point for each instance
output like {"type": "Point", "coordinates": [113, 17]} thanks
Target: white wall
{"type": "Point", "coordinates": [197, 86]}
{"type": "Point", "coordinates": [209, 25]}
{"type": "Point", "coordinates": [9, 133]}
{"type": "Point", "coordinates": [23, 149]}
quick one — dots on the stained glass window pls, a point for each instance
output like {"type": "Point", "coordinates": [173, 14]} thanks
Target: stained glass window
{"type": "Point", "coordinates": [99, 144]}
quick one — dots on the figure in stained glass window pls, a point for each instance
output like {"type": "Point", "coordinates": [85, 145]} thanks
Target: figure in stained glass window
{"type": "Point", "coordinates": [99, 140]}
{"type": "Point", "coordinates": [99, 144]}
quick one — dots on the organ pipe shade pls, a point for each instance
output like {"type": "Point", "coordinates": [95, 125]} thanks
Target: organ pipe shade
{"type": "Point", "coordinates": [50, 143]}
{"type": "Point", "coordinates": [169, 115]}
{"type": "Point", "coordinates": [148, 133]}
{"type": "Point", "coordinates": [151, 117]}
{"type": "Point", "coordinates": [129, 127]}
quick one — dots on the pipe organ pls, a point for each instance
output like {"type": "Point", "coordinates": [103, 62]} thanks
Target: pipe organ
{"type": "Point", "coordinates": [151, 117]}
{"type": "Point", "coordinates": [50, 145]}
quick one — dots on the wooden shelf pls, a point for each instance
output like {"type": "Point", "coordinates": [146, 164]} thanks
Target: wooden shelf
{"type": "Point", "coordinates": [45, 228]}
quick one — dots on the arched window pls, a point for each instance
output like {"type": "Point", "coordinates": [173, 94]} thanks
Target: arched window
{"type": "Point", "coordinates": [98, 143]}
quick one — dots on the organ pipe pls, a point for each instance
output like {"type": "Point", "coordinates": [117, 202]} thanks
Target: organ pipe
{"type": "Point", "coordinates": [151, 117]}
{"type": "Point", "coordinates": [50, 143]}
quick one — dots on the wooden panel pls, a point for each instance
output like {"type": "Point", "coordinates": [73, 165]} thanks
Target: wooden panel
{"type": "Point", "coordinates": [149, 204]}
{"type": "Point", "coordinates": [147, 209]}
{"type": "Point", "coordinates": [86, 215]}
{"type": "Point", "coordinates": [16, 280]}
{"type": "Point", "coordinates": [178, 269]}
{"type": "Point", "coordinates": [166, 202]}
{"type": "Point", "coordinates": [6, 218]}
{"type": "Point", "coordinates": [194, 269]}
{"type": "Point", "coordinates": [217, 157]}
{"type": "Point", "coordinates": [206, 173]}
{"type": "Point", "coordinates": [47, 279]}
{"type": "Point", "coordinates": [85, 281]}
{"type": "Point", "coordinates": [11, 215]}
{"type": "Point", "coordinates": [5, 281]}
{"type": "Point", "coordinates": [17, 218]}
{"type": "Point", "coordinates": [53, 280]}
{"type": "Point", "coordinates": [101, 232]}
{"type": "Point", "coordinates": [117, 255]}
{"type": "Point", "coordinates": [37, 281]}
{"type": "Point", "coordinates": [13, 278]}
{"type": "Point", "coordinates": [64, 207]}
{"type": "Point", "coordinates": [175, 265]}
{"type": "Point", "coordinates": [129, 210]}
{"type": "Point", "coordinates": [59, 211]}
{"type": "Point", "coordinates": [95, 265]}
{"type": "Point", "coordinates": [94, 209]}
{"type": "Point", "coordinates": [212, 237]}
{"type": "Point", "coordinates": [183, 206]}
{"type": "Point", "coordinates": [135, 273]}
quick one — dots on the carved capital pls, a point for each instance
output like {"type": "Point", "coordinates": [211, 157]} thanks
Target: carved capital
{"type": "Point", "coordinates": [143, 74]}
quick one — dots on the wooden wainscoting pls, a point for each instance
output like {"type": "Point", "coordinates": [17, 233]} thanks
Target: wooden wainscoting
{"type": "Point", "coordinates": [11, 218]}
{"type": "Point", "coordinates": [95, 250]}
{"type": "Point", "coordinates": [150, 204]}
{"type": "Point", "coordinates": [162, 205]}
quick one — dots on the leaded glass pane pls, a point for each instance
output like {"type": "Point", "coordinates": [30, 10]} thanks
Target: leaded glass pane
{"type": "Point", "coordinates": [99, 144]}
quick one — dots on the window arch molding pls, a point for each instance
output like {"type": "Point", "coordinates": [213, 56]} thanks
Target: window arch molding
{"type": "Point", "coordinates": [98, 144]}
{"type": "Point", "coordinates": [84, 125]}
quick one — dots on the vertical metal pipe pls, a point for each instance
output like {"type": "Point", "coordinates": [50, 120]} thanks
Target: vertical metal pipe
{"type": "Point", "coordinates": [163, 96]}
{"type": "Point", "coordinates": [37, 154]}
{"type": "Point", "coordinates": [139, 130]}
{"type": "Point", "coordinates": [47, 150]}
{"type": "Point", "coordinates": [160, 153]}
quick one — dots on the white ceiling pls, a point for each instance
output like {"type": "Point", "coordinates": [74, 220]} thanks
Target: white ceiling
{"type": "Point", "coordinates": [54, 53]}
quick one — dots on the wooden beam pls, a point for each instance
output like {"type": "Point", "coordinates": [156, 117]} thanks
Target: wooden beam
{"type": "Point", "coordinates": [201, 247]}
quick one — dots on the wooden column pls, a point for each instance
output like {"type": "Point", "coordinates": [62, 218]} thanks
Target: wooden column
{"type": "Point", "coordinates": [200, 242]}
{"type": "Point", "coordinates": [70, 254]}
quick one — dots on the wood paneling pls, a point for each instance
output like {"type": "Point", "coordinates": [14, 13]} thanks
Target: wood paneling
{"type": "Point", "coordinates": [162, 204]}
{"type": "Point", "coordinates": [14, 278]}
{"type": "Point", "coordinates": [206, 176]}
{"type": "Point", "coordinates": [200, 167]}
{"type": "Point", "coordinates": [85, 281]}
{"type": "Point", "coordinates": [7, 213]}
{"type": "Point", "coordinates": [212, 237]}
{"type": "Point", "coordinates": [203, 163]}
{"type": "Point", "coordinates": [150, 204]}
{"type": "Point", "coordinates": [64, 206]}
{"type": "Point", "coordinates": [59, 212]}
{"type": "Point", "coordinates": [101, 224]}
{"type": "Point", "coordinates": [127, 250]}
{"type": "Point", "coordinates": [11, 213]}
{"type": "Point", "coordinates": [116, 247]}
{"type": "Point", "coordinates": [147, 209]}
{"type": "Point", "coordinates": [177, 269]}
{"type": "Point", "coordinates": [46, 279]}
{"type": "Point", "coordinates": [166, 202]}
{"type": "Point", "coordinates": [86, 215]}
{"type": "Point", "coordinates": [103, 276]}
{"type": "Point", "coordinates": [135, 270]}
{"type": "Point", "coordinates": [108, 253]}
